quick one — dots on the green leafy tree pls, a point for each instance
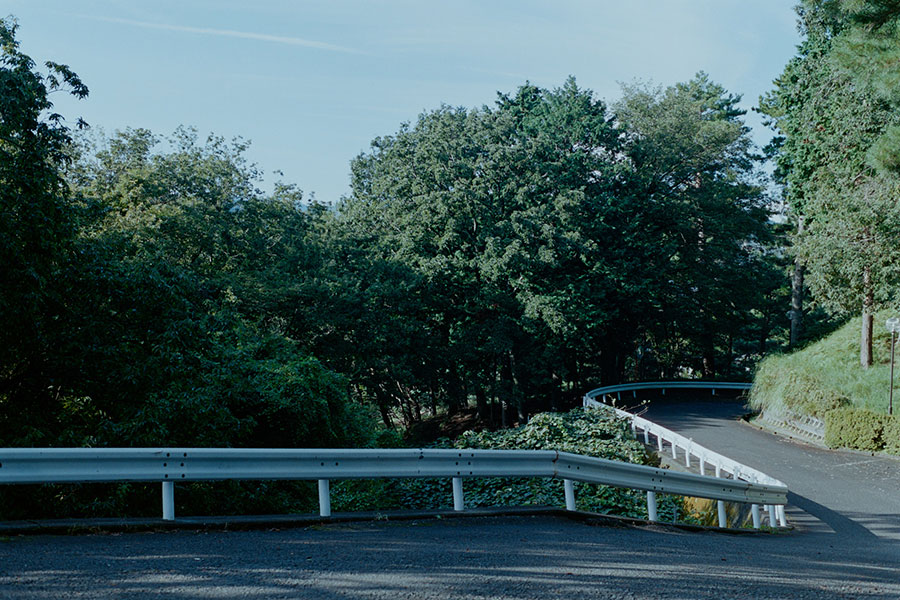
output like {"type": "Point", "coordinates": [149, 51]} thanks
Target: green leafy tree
{"type": "Point", "coordinates": [37, 225]}
{"type": "Point", "coordinates": [549, 241]}
{"type": "Point", "coordinates": [188, 281]}
{"type": "Point", "coordinates": [700, 197]}
{"type": "Point", "coordinates": [833, 131]}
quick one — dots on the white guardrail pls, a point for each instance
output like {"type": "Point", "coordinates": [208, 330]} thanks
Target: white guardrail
{"type": "Point", "coordinates": [168, 465]}
{"type": "Point", "coordinates": [722, 465]}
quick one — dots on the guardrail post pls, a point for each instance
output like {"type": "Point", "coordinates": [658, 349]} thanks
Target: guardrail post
{"type": "Point", "coordinates": [646, 436]}
{"type": "Point", "coordinates": [674, 451]}
{"type": "Point", "coordinates": [687, 457]}
{"type": "Point", "coordinates": [702, 467]}
{"type": "Point", "coordinates": [458, 501]}
{"type": "Point", "coordinates": [324, 498]}
{"type": "Point", "coordinates": [720, 505]}
{"type": "Point", "coordinates": [651, 507]}
{"type": "Point", "coordinates": [782, 521]}
{"type": "Point", "coordinates": [772, 522]}
{"type": "Point", "coordinates": [757, 521]}
{"type": "Point", "coordinates": [168, 500]}
{"type": "Point", "coordinates": [659, 442]}
{"type": "Point", "coordinates": [569, 486]}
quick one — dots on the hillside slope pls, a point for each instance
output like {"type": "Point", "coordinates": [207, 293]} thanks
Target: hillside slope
{"type": "Point", "coordinates": [825, 380]}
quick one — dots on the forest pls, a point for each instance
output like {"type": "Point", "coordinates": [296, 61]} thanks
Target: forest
{"type": "Point", "coordinates": [496, 261]}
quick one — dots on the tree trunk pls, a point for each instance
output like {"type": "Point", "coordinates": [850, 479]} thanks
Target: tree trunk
{"type": "Point", "coordinates": [481, 402]}
{"type": "Point", "coordinates": [384, 409]}
{"type": "Point", "coordinates": [797, 296]}
{"type": "Point", "coordinates": [609, 365]}
{"type": "Point", "coordinates": [865, 345]}
{"type": "Point", "coordinates": [708, 370]}
{"type": "Point", "coordinates": [455, 391]}
{"type": "Point", "coordinates": [518, 400]}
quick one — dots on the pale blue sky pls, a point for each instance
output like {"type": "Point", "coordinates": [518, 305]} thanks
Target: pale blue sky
{"type": "Point", "coordinates": [312, 82]}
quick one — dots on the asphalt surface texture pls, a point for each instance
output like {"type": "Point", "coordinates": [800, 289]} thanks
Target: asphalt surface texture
{"type": "Point", "coordinates": [845, 544]}
{"type": "Point", "coordinates": [853, 494]}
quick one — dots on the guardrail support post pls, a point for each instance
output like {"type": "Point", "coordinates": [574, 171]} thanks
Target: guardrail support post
{"type": "Point", "coordinates": [757, 521]}
{"type": "Point", "coordinates": [674, 451]}
{"type": "Point", "coordinates": [324, 498]}
{"type": "Point", "coordinates": [458, 501]}
{"type": "Point", "coordinates": [168, 500]}
{"type": "Point", "coordinates": [687, 458]}
{"type": "Point", "coordinates": [702, 467]}
{"type": "Point", "coordinates": [651, 507]}
{"type": "Point", "coordinates": [659, 442]}
{"type": "Point", "coordinates": [720, 505]}
{"type": "Point", "coordinates": [772, 521]}
{"type": "Point", "coordinates": [782, 521]}
{"type": "Point", "coordinates": [569, 486]}
{"type": "Point", "coordinates": [646, 436]}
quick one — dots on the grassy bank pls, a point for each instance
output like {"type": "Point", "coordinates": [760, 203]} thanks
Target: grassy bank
{"type": "Point", "coordinates": [827, 375]}
{"type": "Point", "coordinates": [825, 380]}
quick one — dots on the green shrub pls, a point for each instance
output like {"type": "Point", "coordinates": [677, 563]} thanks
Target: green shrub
{"type": "Point", "coordinates": [854, 428]}
{"type": "Point", "coordinates": [891, 434]}
{"type": "Point", "coordinates": [592, 433]}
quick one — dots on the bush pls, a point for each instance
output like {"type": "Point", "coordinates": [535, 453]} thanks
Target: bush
{"type": "Point", "coordinates": [592, 433]}
{"type": "Point", "coordinates": [891, 434]}
{"type": "Point", "coordinates": [853, 428]}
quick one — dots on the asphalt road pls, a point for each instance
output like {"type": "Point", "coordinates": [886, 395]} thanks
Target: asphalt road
{"type": "Point", "coordinates": [853, 494]}
{"type": "Point", "coordinates": [497, 558]}
{"type": "Point", "coordinates": [845, 546]}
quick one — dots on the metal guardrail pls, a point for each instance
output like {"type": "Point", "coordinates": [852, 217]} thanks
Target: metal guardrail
{"type": "Point", "coordinates": [721, 464]}
{"type": "Point", "coordinates": [168, 465]}
{"type": "Point", "coordinates": [664, 385]}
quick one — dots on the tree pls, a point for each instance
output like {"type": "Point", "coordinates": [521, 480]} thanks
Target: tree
{"type": "Point", "coordinates": [694, 171]}
{"type": "Point", "coordinates": [37, 224]}
{"type": "Point", "coordinates": [185, 334]}
{"type": "Point", "coordinates": [832, 128]}
{"type": "Point", "coordinates": [550, 242]}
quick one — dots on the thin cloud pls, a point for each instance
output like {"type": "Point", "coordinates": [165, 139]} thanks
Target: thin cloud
{"type": "Point", "coordinates": [263, 37]}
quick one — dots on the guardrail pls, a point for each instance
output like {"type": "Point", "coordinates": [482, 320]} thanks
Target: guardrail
{"type": "Point", "coordinates": [664, 385]}
{"type": "Point", "coordinates": [170, 465]}
{"type": "Point", "coordinates": [721, 464]}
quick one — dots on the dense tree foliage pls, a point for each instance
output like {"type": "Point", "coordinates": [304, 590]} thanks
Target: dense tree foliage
{"type": "Point", "coordinates": [37, 228]}
{"type": "Point", "coordinates": [508, 257]}
{"type": "Point", "coordinates": [551, 243]}
{"type": "Point", "coordinates": [838, 119]}
{"type": "Point", "coordinates": [137, 282]}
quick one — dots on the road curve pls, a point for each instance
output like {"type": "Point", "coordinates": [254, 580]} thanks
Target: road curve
{"type": "Point", "coordinates": [852, 494]}
{"type": "Point", "coordinates": [845, 546]}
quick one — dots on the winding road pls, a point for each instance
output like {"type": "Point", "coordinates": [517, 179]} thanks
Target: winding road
{"type": "Point", "coordinates": [846, 544]}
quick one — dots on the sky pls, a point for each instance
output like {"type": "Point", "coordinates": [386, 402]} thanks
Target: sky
{"type": "Point", "coordinates": [312, 82]}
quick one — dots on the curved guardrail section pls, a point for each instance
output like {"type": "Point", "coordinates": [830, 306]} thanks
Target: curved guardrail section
{"type": "Point", "coordinates": [664, 385]}
{"type": "Point", "coordinates": [168, 465]}
{"type": "Point", "coordinates": [721, 463]}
